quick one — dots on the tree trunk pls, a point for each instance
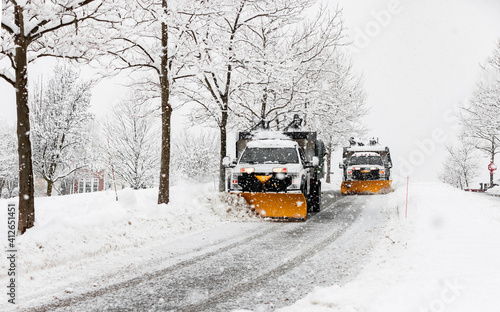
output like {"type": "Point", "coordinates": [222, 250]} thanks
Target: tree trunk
{"type": "Point", "coordinates": [263, 102]}
{"type": "Point", "coordinates": [166, 114]}
{"type": "Point", "coordinates": [328, 163]}
{"type": "Point", "coordinates": [26, 181]}
{"type": "Point", "coordinates": [50, 184]}
{"type": "Point", "coordinates": [223, 151]}
{"type": "Point", "coordinates": [225, 102]}
{"type": "Point", "coordinates": [492, 159]}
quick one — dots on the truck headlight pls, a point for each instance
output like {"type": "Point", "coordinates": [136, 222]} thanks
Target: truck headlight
{"type": "Point", "coordinates": [247, 170]}
{"type": "Point", "coordinates": [234, 182]}
{"type": "Point", "coordinates": [279, 169]}
{"type": "Point", "coordinates": [295, 182]}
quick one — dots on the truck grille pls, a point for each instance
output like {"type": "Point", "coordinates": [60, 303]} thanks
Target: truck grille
{"type": "Point", "coordinates": [364, 176]}
{"type": "Point", "coordinates": [249, 183]}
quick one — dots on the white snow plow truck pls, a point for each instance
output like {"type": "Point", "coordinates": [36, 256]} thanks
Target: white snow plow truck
{"type": "Point", "coordinates": [366, 168]}
{"type": "Point", "coordinates": [278, 173]}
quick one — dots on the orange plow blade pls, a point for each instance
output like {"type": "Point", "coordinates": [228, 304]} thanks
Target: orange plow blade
{"type": "Point", "coordinates": [365, 187]}
{"type": "Point", "coordinates": [278, 205]}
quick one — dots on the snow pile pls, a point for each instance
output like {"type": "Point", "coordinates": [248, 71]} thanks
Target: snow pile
{"type": "Point", "coordinates": [88, 225]}
{"type": "Point", "coordinates": [494, 191]}
{"type": "Point", "coordinates": [75, 232]}
{"type": "Point", "coordinates": [444, 257]}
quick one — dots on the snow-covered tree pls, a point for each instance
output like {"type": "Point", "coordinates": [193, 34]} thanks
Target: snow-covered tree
{"type": "Point", "coordinates": [60, 126]}
{"type": "Point", "coordinates": [288, 61]}
{"type": "Point", "coordinates": [494, 60]}
{"type": "Point", "coordinates": [480, 118]}
{"type": "Point", "coordinates": [32, 30]}
{"type": "Point", "coordinates": [154, 41]}
{"type": "Point", "coordinates": [338, 105]}
{"type": "Point", "coordinates": [461, 165]}
{"type": "Point", "coordinates": [251, 67]}
{"type": "Point", "coordinates": [133, 133]}
{"type": "Point", "coordinates": [195, 155]}
{"type": "Point", "coordinates": [9, 170]}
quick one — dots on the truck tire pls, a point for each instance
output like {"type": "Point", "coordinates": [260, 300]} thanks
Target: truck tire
{"type": "Point", "coordinates": [315, 196]}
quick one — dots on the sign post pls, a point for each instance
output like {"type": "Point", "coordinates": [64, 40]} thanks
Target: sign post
{"type": "Point", "coordinates": [492, 167]}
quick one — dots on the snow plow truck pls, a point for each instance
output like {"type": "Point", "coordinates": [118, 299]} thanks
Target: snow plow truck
{"type": "Point", "coordinates": [278, 173]}
{"type": "Point", "coordinates": [366, 168]}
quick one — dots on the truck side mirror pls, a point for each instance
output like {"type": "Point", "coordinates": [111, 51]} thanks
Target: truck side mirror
{"type": "Point", "coordinates": [226, 162]}
{"type": "Point", "coordinates": [341, 166]}
{"type": "Point", "coordinates": [389, 165]}
{"type": "Point", "coordinates": [315, 161]}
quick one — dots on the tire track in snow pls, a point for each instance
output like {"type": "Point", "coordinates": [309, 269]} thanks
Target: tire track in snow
{"type": "Point", "coordinates": [125, 295]}
{"type": "Point", "coordinates": [149, 276]}
{"type": "Point", "coordinates": [274, 273]}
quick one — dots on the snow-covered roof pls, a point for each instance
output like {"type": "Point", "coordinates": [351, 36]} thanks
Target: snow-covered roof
{"type": "Point", "coordinates": [272, 143]}
{"type": "Point", "coordinates": [261, 135]}
{"type": "Point", "coordinates": [368, 148]}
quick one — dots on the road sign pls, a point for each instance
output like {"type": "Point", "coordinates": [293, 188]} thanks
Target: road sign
{"type": "Point", "coordinates": [492, 167]}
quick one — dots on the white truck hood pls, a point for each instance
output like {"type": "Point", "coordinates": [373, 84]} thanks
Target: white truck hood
{"type": "Point", "coordinates": [268, 168]}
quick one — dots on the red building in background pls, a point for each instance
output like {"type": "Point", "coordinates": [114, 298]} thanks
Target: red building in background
{"type": "Point", "coordinates": [88, 181]}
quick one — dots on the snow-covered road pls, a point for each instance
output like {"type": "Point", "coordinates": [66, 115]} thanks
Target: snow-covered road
{"type": "Point", "coordinates": [205, 252]}
{"type": "Point", "coordinates": [248, 265]}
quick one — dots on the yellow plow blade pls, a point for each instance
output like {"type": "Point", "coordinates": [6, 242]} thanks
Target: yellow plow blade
{"type": "Point", "coordinates": [278, 205]}
{"type": "Point", "coordinates": [367, 187]}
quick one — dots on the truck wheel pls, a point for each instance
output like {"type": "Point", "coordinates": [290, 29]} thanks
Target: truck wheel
{"type": "Point", "coordinates": [315, 197]}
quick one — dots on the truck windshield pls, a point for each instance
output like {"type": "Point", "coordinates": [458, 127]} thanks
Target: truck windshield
{"type": "Point", "coordinates": [257, 155]}
{"type": "Point", "coordinates": [366, 160]}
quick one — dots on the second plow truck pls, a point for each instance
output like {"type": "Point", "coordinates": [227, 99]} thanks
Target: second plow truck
{"type": "Point", "coordinates": [366, 168]}
{"type": "Point", "coordinates": [278, 173]}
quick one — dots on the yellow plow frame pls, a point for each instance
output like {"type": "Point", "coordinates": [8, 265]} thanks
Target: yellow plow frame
{"type": "Point", "coordinates": [278, 205]}
{"type": "Point", "coordinates": [365, 187]}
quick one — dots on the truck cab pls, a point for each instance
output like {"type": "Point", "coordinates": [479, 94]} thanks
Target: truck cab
{"type": "Point", "coordinates": [271, 166]}
{"type": "Point", "coordinates": [278, 173]}
{"type": "Point", "coordinates": [366, 166]}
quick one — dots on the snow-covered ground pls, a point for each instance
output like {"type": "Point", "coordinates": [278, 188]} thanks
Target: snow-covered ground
{"type": "Point", "coordinates": [444, 257]}
{"type": "Point", "coordinates": [494, 191]}
{"type": "Point", "coordinates": [94, 238]}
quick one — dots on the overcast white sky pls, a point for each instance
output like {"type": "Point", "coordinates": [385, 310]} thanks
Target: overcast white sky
{"type": "Point", "coordinates": [420, 59]}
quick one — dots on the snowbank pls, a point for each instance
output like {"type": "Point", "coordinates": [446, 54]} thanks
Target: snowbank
{"type": "Point", "coordinates": [494, 191]}
{"type": "Point", "coordinates": [444, 257]}
{"type": "Point", "coordinates": [76, 232]}
{"type": "Point", "coordinates": [86, 225]}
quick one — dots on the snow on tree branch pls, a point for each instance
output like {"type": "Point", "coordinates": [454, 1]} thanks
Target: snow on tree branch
{"type": "Point", "coordinates": [60, 126]}
{"type": "Point", "coordinates": [7, 76]}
